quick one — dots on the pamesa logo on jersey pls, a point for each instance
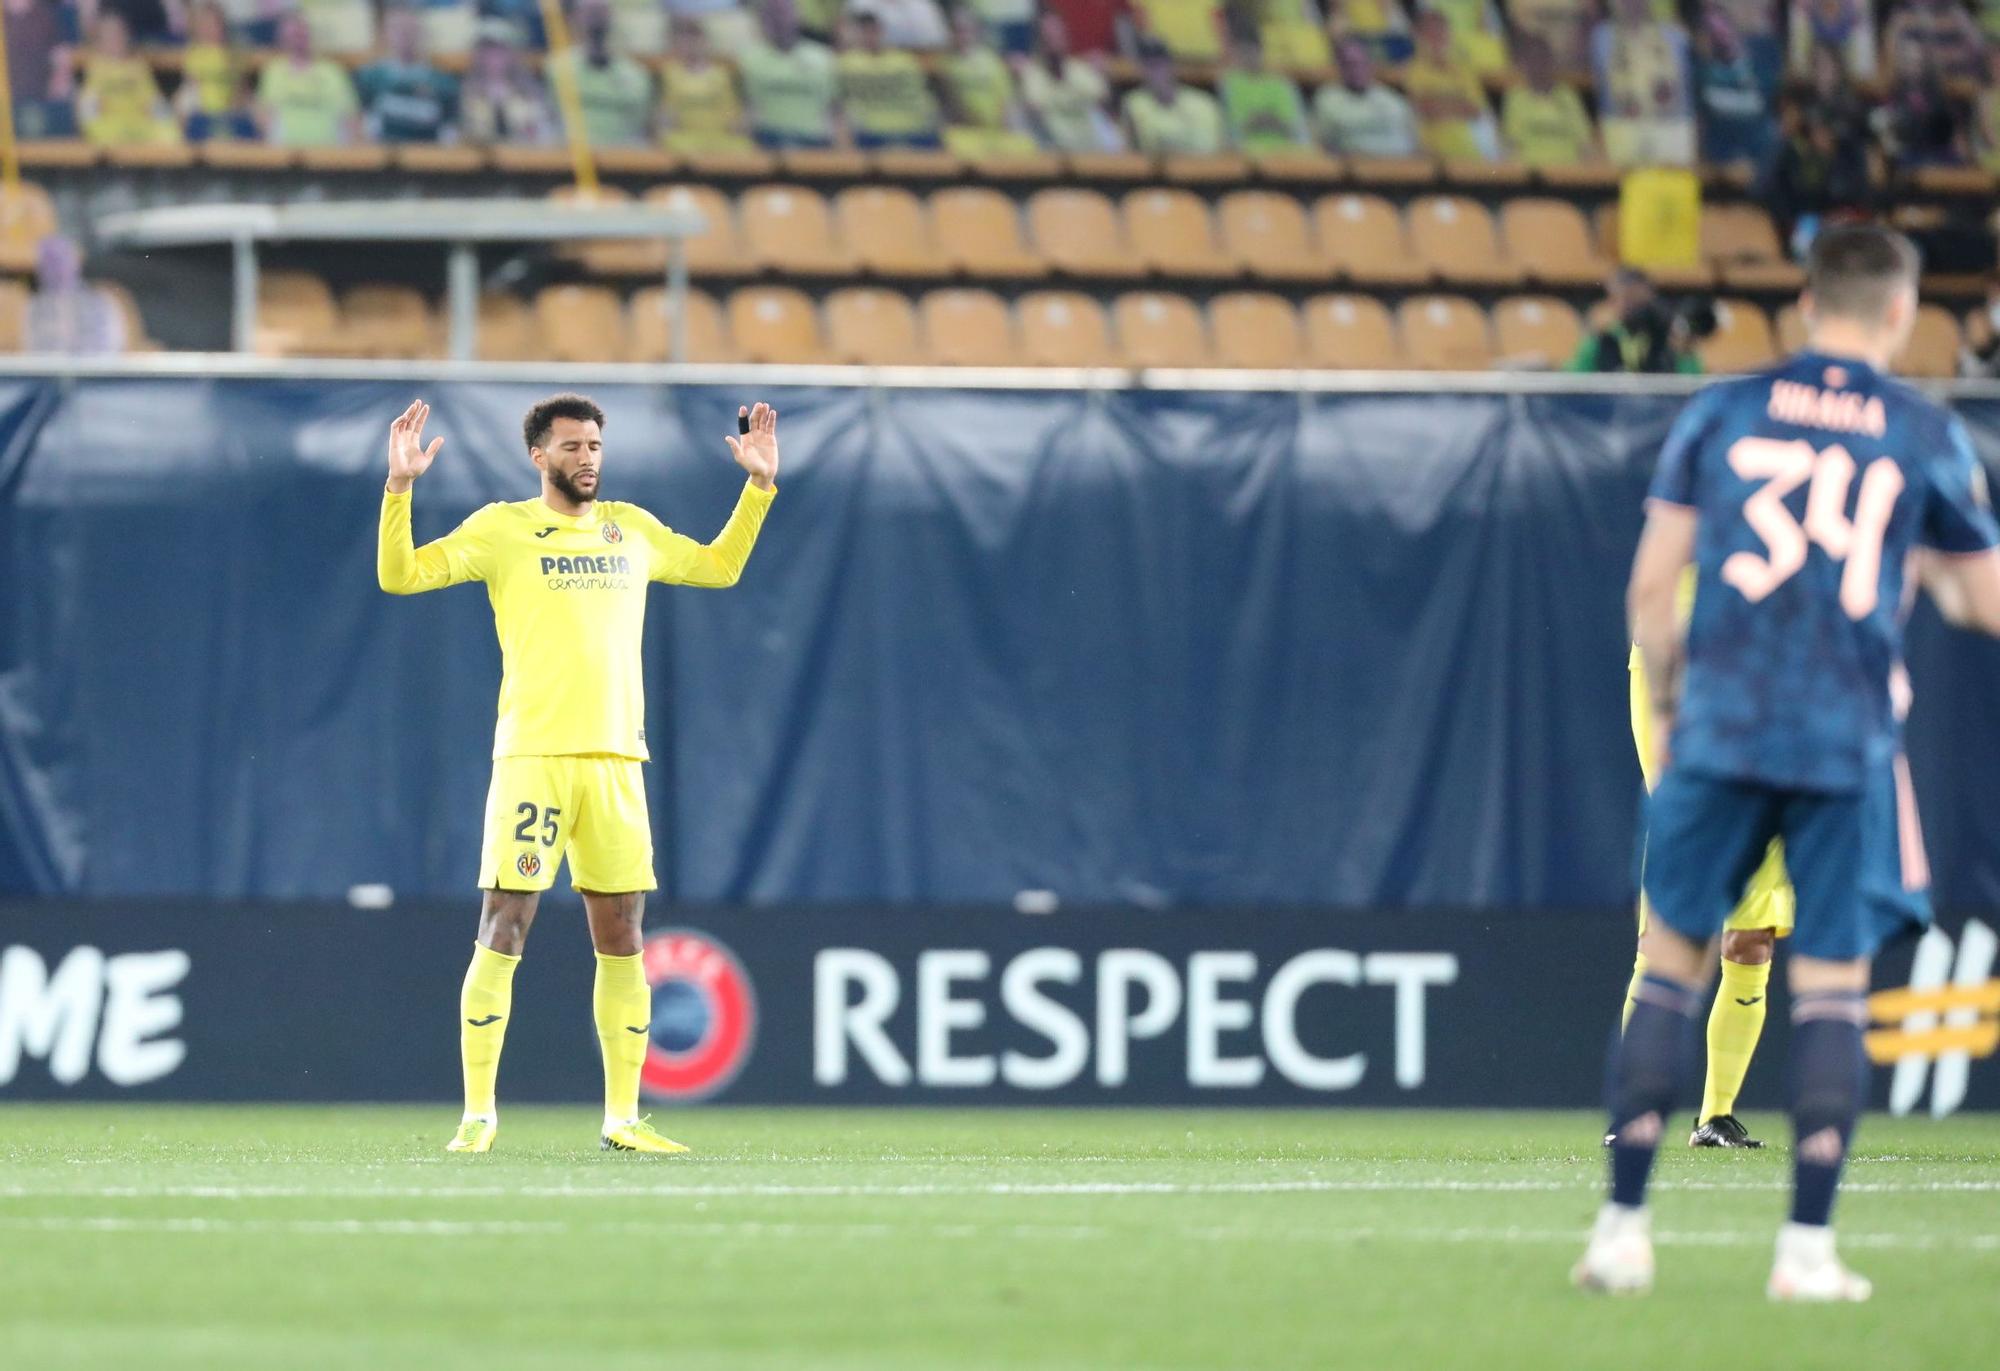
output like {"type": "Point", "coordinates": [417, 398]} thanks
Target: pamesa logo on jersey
{"type": "Point", "coordinates": [704, 1016]}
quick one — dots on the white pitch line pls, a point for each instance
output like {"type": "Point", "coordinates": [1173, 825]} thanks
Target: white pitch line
{"type": "Point", "coordinates": [921, 1190]}
{"type": "Point", "coordinates": [434, 1228]}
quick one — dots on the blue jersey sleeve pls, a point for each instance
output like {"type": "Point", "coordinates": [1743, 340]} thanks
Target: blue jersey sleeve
{"type": "Point", "coordinates": [1674, 478]}
{"type": "Point", "coordinates": [1958, 514]}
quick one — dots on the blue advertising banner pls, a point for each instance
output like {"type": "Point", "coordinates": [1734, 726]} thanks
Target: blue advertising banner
{"type": "Point", "coordinates": [1149, 648]}
{"type": "Point", "coordinates": [884, 1006]}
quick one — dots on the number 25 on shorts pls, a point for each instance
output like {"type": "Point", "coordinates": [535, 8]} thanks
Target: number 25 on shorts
{"type": "Point", "coordinates": [1783, 465]}
{"type": "Point", "coordinates": [524, 831]}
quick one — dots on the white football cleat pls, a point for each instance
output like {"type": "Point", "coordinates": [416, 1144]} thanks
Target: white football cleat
{"type": "Point", "coordinates": [1619, 1260]}
{"type": "Point", "coordinates": [1807, 1271]}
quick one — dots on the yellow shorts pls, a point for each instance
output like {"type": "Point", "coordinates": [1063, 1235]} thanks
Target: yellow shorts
{"type": "Point", "coordinates": [1768, 901]}
{"type": "Point", "coordinates": [591, 807]}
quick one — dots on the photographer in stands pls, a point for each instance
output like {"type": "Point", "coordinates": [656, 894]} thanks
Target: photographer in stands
{"type": "Point", "coordinates": [1641, 333]}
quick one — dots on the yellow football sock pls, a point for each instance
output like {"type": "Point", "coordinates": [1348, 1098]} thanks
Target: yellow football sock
{"type": "Point", "coordinates": [1632, 990]}
{"type": "Point", "coordinates": [484, 1004]}
{"type": "Point", "coordinates": [622, 1003]}
{"type": "Point", "coordinates": [1734, 1025]}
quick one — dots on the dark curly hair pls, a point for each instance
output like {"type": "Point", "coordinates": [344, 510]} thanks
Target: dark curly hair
{"type": "Point", "coordinates": [535, 427]}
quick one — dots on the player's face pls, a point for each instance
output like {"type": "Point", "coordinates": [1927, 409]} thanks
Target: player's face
{"type": "Point", "coordinates": [572, 455]}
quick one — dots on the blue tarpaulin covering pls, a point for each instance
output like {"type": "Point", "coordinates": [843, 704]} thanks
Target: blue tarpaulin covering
{"type": "Point", "coordinates": [1135, 646]}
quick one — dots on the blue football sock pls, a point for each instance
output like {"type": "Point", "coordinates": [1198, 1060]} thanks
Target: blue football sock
{"type": "Point", "coordinates": [1648, 1064]}
{"type": "Point", "coordinates": [1829, 1084]}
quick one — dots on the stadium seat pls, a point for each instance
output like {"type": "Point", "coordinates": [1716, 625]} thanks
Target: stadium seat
{"type": "Point", "coordinates": [718, 249]}
{"type": "Point", "coordinates": [26, 217]}
{"type": "Point", "coordinates": [13, 314]}
{"type": "Point", "coordinates": [1171, 233]}
{"type": "Point", "coordinates": [1350, 333]}
{"type": "Point", "coordinates": [1742, 338]}
{"type": "Point", "coordinates": [1739, 241]}
{"type": "Point", "coordinates": [296, 316]}
{"type": "Point", "coordinates": [581, 324]}
{"type": "Point", "coordinates": [1692, 276]}
{"type": "Point", "coordinates": [137, 339]}
{"type": "Point", "coordinates": [611, 256]}
{"type": "Point", "coordinates": [1063, 328]}
{"type": "Point", "coordinates": [1933, 347]}
{"type": "Point", "coordinates": [1078, 233]}
{"type": "Point", "coordinates": [775, 324]}
{"type": "Point", "coordinates": [1444, 333]}
{"type": "Point", "coordinates": [1363, 237]}
{"type": "Point", "coordinates": [1265, 234]}
{"type": "Point", "coordinates": [648, 337]}
{"type": "Point", "coordinates": [968, 328]}
{"type": "Point", "coordinates": [387, 321]}
{"type": "Point", "coordinates": [788, 229]}
{"type": "Point", "coordinates": [1158, 329]}
{"type": "Point", "coordinates": [979, 232]}
{"type": "Point", "coordinates": [869, 326]}
{"type": "Point", "coordinates": [1453, 237]}
{"type": "Point", "coordinates": [506, 330]}
{"type": "Point", "coordinates": [1255, 329]}
{"type": "Point", "coordinates": [889, 231]}
{"type": "Point", "coordinates": [1535, 330]}
{"type": "Point", "coordinates": [1550, 241]}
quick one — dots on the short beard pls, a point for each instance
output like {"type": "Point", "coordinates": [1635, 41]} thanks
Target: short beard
{"type": "Point", "coordinates": [568, 487]}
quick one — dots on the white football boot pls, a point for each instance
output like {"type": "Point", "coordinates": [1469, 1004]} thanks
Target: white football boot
{"type": "Point", "coordinates": [1807, 1270]}
{"type": "Point", "coordinates": [1619, 1260]}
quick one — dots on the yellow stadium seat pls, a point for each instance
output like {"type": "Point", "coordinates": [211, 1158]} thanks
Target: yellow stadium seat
{"type": "Point", "coordinates": [1535, 329]}
{"type": "Point", "coordinates": [1265, 234]}
{"type": "Point", "coordinates": [1170, 232]}
{"type": "Point", "coordinates": [1255, 329]}
{"type": "Point", "coordinates": [1063, 328]}
{"type": "Point", "coordinates": [1445, 333]}
{"type": "Point", "coordinates": [296, 316]}
{"type": "Point", "coordinates": [868, 326]}
{"type": "Point", "coordinates": [1350, 333]}
{"type": "Point", "coordinates": [1933, 347]}
{"type": "Point", "coordinates": [13, 314]}
{"type": "Point", "coordinates": [1742, 339]}
{"type": "Point", "coordinates": [581, 324]}
{"type": "Point", "coordinates": [1550, 241]}
{"type": "Point", "coordinates": [611, 256]}
{"type": "Point", "coordinates": [649, 335]}
{"type": "Point", "coordinates": [1453, 236]}
{"type": "Point", "coordinates": [890, 231]}
{"type": "Point", "coordinates": [775, 324]}
{"type": "Point", "coordinates": [26, 217]}
{"type": "Point", "coordinates": [1691, 276]}
{"type": "Point", "coordinates": [979, 232]}
{"type": "Point", "coordinates": [388, 321]}
{"type": "Point", "coordinates": [1744, 249]}
{"type": "Point", "coordinates": [788, 229]}
{"type": "Point", "coordinates": [1079, 234]}
{"type": "Point", "coordinates": [968, 328]}
{"type": "Point", "coordinates": [136, 337]}
{"type": "Point", "coordinates": [1362, 235]}
{"type": "Point", "coordinates": [506, 330]}
{"type": "Point", "coordinates": [1156, 329]}
{"type": "Point", "coordinates": [718, 249]}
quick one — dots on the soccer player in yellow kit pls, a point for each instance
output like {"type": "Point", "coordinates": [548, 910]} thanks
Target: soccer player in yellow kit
{"type": "Point", "coordinates": [567, 574]}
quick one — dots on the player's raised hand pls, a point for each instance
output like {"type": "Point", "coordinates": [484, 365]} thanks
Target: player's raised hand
{"type": "Point", "coordinates": [756, 451]}
{"type": "Point", "coordinates": [408, 457]}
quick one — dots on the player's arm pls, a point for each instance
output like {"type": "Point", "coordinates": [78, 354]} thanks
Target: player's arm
{"type": "Point", "coordinates": [1959, 563]}
{"type": "Point", "coordinates": [1652, 606]}
{"type": "Point", "coordinates": [680, 560]}
{"type": "Point", "coordinates": [401, 567]}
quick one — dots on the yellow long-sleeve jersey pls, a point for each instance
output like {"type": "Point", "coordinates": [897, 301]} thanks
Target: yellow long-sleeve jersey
{"type": "Point", "coordinates": [569, 605]}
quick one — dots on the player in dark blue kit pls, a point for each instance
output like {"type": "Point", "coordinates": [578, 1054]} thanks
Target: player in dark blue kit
{"type": "Point", "coordinates": [1802, 495]}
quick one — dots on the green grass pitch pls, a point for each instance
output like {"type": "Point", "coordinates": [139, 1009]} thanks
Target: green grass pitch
{"type": "Point", "coordinates": [154, 1237]}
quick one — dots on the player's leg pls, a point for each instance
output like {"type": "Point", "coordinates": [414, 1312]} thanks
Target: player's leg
{"type": "Point", "coordinates": [1735, 1023]}
{"type": "Point", "coordinates": [1825, 838]}
{"type": "Point", "coordinates": [1705, 837]}
{"type": "Point", "coordinates": [513, 871]}
{"type": "Point", "coordinates": [611, 861]}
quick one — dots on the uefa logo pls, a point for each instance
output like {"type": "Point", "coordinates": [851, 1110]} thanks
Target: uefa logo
{"type": "Point", "coordinates": [704, 1016]}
